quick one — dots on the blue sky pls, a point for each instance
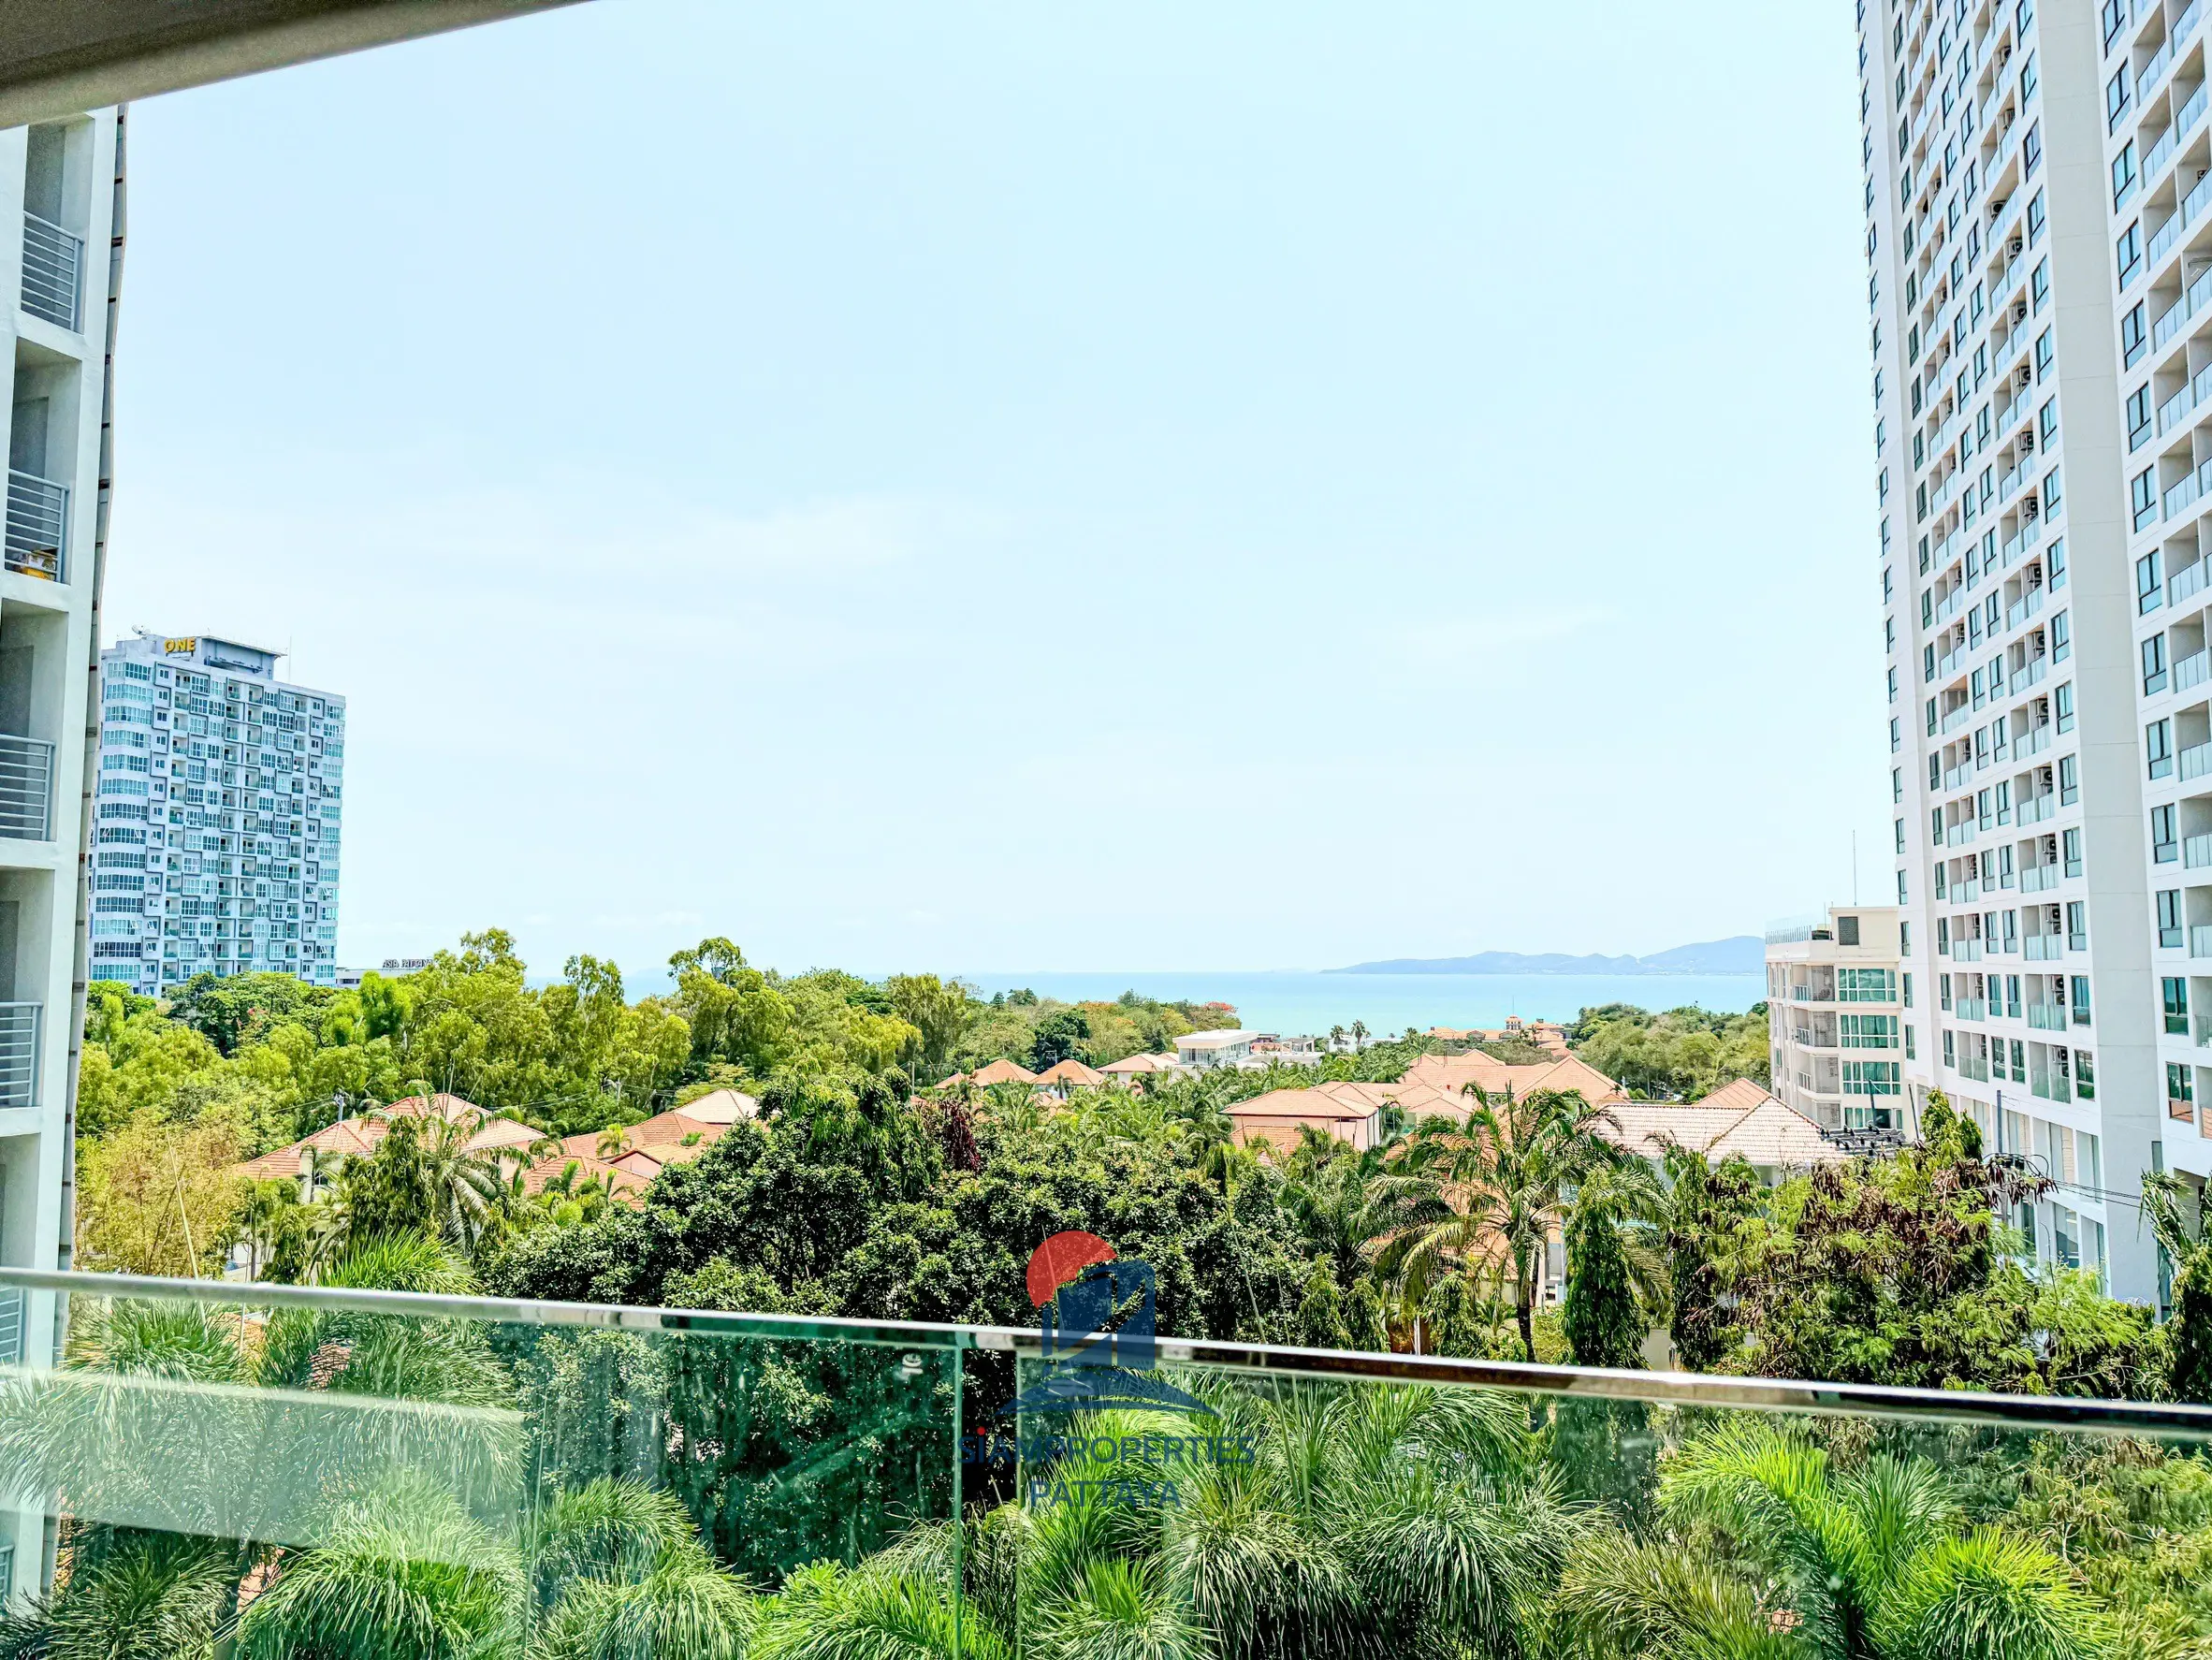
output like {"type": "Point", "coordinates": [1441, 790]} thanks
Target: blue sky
{"type": "Point", "coordinates": [989, 487]}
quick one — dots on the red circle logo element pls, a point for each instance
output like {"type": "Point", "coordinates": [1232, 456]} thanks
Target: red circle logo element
{"type": "Point", "coordinates": [1061, 1258]}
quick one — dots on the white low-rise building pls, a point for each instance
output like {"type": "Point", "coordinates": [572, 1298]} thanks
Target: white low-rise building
{"type": "Point", "coordinates": [1204, 1051]}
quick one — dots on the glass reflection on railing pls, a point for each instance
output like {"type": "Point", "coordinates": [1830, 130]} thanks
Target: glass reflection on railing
{"type": "Point", "coordinates": [288, 1475]}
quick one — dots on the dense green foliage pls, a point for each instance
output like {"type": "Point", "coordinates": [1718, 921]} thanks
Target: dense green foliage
{"type": "Point", "coordinates": [1679, 1055]}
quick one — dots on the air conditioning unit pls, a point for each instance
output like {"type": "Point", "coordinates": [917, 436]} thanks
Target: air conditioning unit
{"type": "Point", "coordinates": [2019, 310]}
{"type": "Point", "coordinates": [2013, 244]}
{"type": "Point", "coordinates": [2024, 376]}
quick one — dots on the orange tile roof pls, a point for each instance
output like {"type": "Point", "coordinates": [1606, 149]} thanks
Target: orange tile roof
{"type": "Point", "coordinates": [1317, 1105]}
{"type": "Point", "coordinates": [1073, 1073]}
{"type": "Point", "coordinates": [1001, 1071]}
{"type": "Point", "coordinates": [1131, 1065]}
{"type": "Point", "coordinates": [720, 1106]}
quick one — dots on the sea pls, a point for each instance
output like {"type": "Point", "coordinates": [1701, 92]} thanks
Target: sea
{"type": "Point", "coordinates": [1291, 1001]}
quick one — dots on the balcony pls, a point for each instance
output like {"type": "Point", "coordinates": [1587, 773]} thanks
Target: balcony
{"type": "Point", "coordinates": [1967, 951]}
{"type": "Point", "coordinates": [2037, 808]}
{"type": "Point", "coordinates": [2200, 941]}
{"type": "Point", "coordinates": [2038, 879]}
{"type": "Point", "coordinates": [2046, 1017]}
{"type": "Point", "coordinates": [634, 1481]}
{"type": "Point", "coordinates": [2030, 675]}
{"type": "Point", "coordinates": [37, 540]}
{"type": "Point", "coordinates": [2186, 1111]}
{"type": "Point", "coordinates": [2193, 670]}
{"type": "Point", "coordinates": [1971, 1009]}
{"type": "Point", "coordinates": [2033, 743]}
{"type": "Point", "coordinates": [2050, 1087]}
{"type": "Point", "coordinates": [26, 789]}
{"type": "Point", "coordinates": [53, 273]}
{"type": "Point", "coordinates": [1971, 1067]}
{"type": "Point", "coordinates": [18, 1055]}
{"type": "Point", "coordinates": [2021, 609]}
{"type": "Point", "coordinates": [2043, 948]}
{"type": "Point", "coordinates": [2196, 851]}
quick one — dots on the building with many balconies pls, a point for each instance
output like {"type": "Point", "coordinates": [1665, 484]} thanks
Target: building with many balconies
{"type": "Point", "coordinates": [2025, 249]}
{"type": "Point", "coordinates": [220, 791]}
{"type": "Point", "coordinates": [1838, 1038]}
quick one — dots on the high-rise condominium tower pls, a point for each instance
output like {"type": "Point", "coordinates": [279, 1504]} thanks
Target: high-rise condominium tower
{"type": "Point", "coordinates": [63, 184]}
{"type": "Point", "coordinates": [220, 790]}
{"type": "Point", "coordinates": [2039, 255]}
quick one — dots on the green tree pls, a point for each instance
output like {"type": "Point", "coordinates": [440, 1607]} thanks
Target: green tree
{"type": "Point", "coordinates": [1709, 1211]}
{"type": "Point", "coordinates": [1062, 1035]}
{"type": "Point", "coordinates": [1612, 1266]}
{"type": "Point", "coordinates": [1507, 1172]}
{"type": "Point", "coordinates": [1874, 1566]}
{"type": "Point", "coordinates": [2176, 1214]}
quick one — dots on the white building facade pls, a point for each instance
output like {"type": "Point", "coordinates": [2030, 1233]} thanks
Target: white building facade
{"type": "Point", "coordinates": [219, 811]}
{"type": "Point", "coordinates": [63, 184]}
{"type": "Point", "coordinates": [2011, 344]}
{"type": "Point", "coordinates": [1838, 1038]}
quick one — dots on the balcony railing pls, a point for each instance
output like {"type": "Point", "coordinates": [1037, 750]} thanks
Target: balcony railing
{"type": "Point", "coordinates": [26, 788]}
{"type": "Point", "coordinates": [53, 273]}
{"type": "Point", "coordinates": [1974, 1068]}
{"type": "Point", "coordinates": [2043, 948]}
{"type": "Point", "coordinates": [638, 1482]}
{"type": "Point", "coordinates": [38, 534]}
{"type": "Point", "coordinates": [18, 1055]}
{"type": "Point", "coordinates": [2046, 1017]}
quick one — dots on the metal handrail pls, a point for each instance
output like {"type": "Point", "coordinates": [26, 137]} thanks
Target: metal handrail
{"type": "Point", "coordinates": [1671, 1388]}
{"type": "Point", "coordinates": [53, 273]}
{"type": "Point", "coordinates": [26, 788]}
{"type": "Point", "coordinates": [37, 540]}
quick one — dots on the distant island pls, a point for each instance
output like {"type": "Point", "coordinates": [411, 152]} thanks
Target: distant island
{"type": "Point", "coordinates": [1746, 954]}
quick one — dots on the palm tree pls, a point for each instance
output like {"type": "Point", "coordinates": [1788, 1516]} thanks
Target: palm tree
{"type": "Point", "coordinates": [1336, 1036]}
{"type": "Point", "coordinates": [1360, 1036]}
{"type": "Point", "coordinates": [1348, 1203]}
{"type": "Point", "coordinates": [2177, 1218]}
{"type": "Point", "coordinates": [1508, 1173]}
{"type": "Point", "coordinates": [1873, 1565]}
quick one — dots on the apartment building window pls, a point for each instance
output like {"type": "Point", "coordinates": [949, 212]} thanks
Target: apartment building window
{"type": "Point", "coordinates": [2011, 981]}
{"type": "Point", "coordinates": [1931, 712]}
{"type": "Point", "coordinates": [2169, 900]}
{"type": "Point", "coordinates": [2036, 209]}
{"type": "Point", "coordinates": [2019, 1057]}
{"type": "Point", "coordinates": [2128, 253]}
{"type": "Point", "coordinates": [2044, 350]}
{"type": "Point", "coordinates": [2062, 706]}
{"type": "Point", "coordinates": [2139, 425]}
{"type": "Point", "coordinates": [2154, 665]}
{"type": "Point", "coordinates": [2180, 1086]}
{"type": "Point", "coordinates": [2078, 924]}
{"type": "Point", "coordinates": [1935, 824]}
{"type": "Point", "coordinates": [2055, 565]}
{"type": "Point", "coordinates": [1889, 633]}
{"type": "Point", "coordinates": [1896, 784]}
{"type": "Point", "coordinates": [2164, 843]}
{"type": "Point", "coordinates": [2123, 175]}
{"type": "Point", "coordinates": [1950, 1058]}
{"type": "Point", "coordinates": [2085, 1069]}
{"type": "Point", "coordinates": [2133, 336]}
{"type": "Point", "coordinates": [2150, 584]}
{"type": "Point", "coordinates": [2032, 150]}
{"type": "Point", "coordinates": [2069, 781]}
{"type": "Point", "coordinates": [1900, 836]}
{"type": "Point", "coordinates": [2174, 995]}
{"type": "Point", "coordinates": [1897, 740]}
{"type": "Point", "coordinates": [1901, 887]}
{"type": "Point", "coordinates": [1910, 1052]}
{"type": "Point", "coordinates": [2115, 97]}
{"type": "Point", "coordinates": [2070, 850]}
{"type": "Point", "coordinates": [2054, 494]}
{"type": "Point", "coordinates": [1907, 979]}
{"type": "Point", "coordinates": [1893, 685]}
{"type": "Point", "coordinates": [2061, 637]}
{"type": "Point", "coordinates": [2158, 745]}
{"type": "Point", "coordinates": [1928, 662]}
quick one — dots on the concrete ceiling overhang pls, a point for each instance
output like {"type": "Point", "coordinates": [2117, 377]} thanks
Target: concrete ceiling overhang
{"type": "Point", "coordinates": [61, 56]}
